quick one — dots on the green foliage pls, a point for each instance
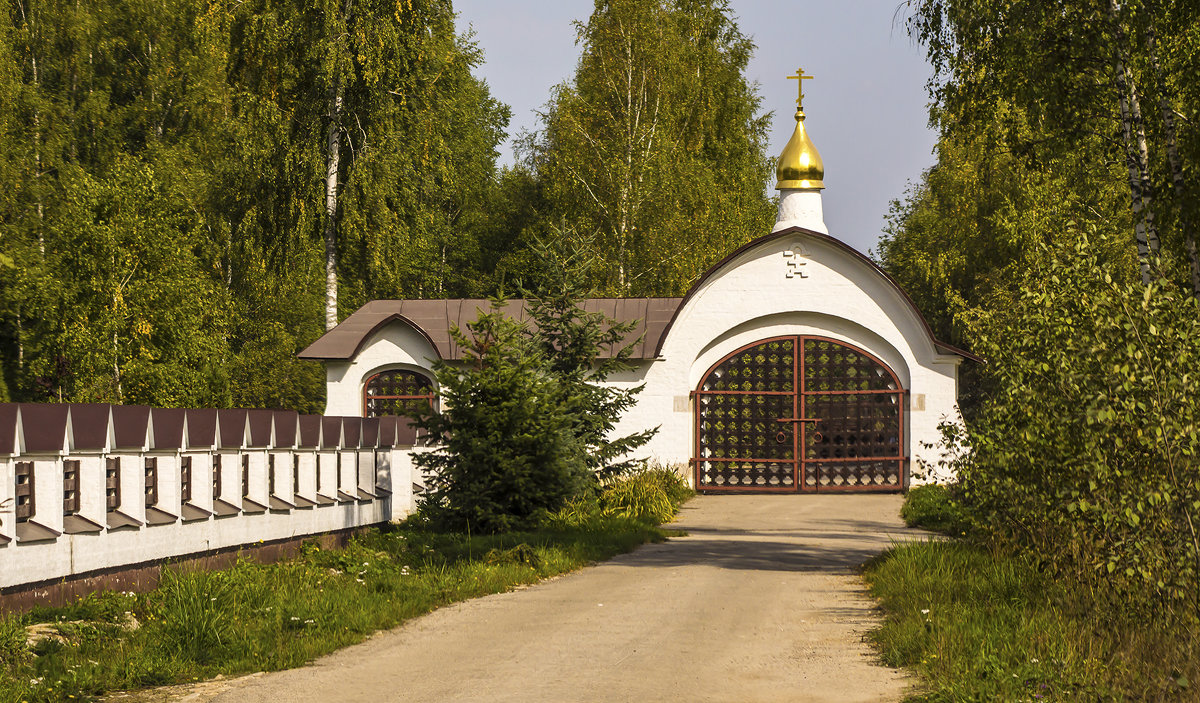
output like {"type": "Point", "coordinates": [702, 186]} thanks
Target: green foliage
{"type": "Point", "coordinates": [933, 507]}
{"type": "Point", "coordinates": [656, 141]}
{"type": "Point", "coordinates": [1085, 451]}
{"type": "Point", "coordinates": [192, 609]}
{"type": "Point", "coordinates": [973, 229]}
{"type": "Point", "coordinates": [1091, 93]}
{"type": "Point", "coordinates": [651, 496]}
{"type": "Point", "coordinates": [582, 350]}
{"type": "Point", "coordinates": [254, 617]}
{"type": "Point", "coordinates": [526, 422]}
{"type": "Point", "coordinates": [648, 496]}
{"type": "Point", "coordinates": [507, 450]}
{"type": "Point", "coordinates": [161, 188]}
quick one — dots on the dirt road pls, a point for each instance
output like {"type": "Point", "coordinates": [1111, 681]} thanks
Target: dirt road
{"type": "Point", "coordinates": [759, 603]}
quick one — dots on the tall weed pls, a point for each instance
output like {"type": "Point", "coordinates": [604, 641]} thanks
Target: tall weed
{"type": "Point", "coordinates": [192, 612]}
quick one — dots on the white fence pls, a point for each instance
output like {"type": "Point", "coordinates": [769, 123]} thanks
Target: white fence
{"type": "Point", "coordinates": [86, 488]}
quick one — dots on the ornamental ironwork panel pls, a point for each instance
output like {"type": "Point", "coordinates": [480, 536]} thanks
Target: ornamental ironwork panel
{"type": "Point", "coordinates": [799, 413]}
{"type": "Point", "coordinates": [397, 392]}
{"type": "Point", "coordinates": [740, 442]}
{"type": "Point", "coordinates": [832, 366]}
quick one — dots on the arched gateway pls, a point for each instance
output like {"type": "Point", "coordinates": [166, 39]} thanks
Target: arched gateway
{"type": "Point", "coordinates": [793, 365]}
{"type": "Point", "coordinates": [799, 413]}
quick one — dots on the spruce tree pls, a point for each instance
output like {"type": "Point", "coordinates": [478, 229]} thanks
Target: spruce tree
{"type": "Point", "coordinates": [582, 350]}
{"type": "Point", "coordinates": [507, 451]}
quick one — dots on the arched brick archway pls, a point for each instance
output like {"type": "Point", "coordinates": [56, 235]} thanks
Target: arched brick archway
{"type": "Point", "coordinates": [799, 413]}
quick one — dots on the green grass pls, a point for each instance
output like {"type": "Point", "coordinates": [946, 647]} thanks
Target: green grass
{"type": "Point", "coordinates": [983, 626]}
{"type": "Point", "coordinates": [255, 617]}
{"type": "Point", "coordinates": [933, 507]}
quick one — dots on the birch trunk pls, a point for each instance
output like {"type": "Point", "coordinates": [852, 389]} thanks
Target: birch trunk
{"type": "Point", "coordinates": [1178, 185]}
{"type": "Point", "coordinates": [1136, 154]}
{"type": "Point", "coordinates": [333, 151]}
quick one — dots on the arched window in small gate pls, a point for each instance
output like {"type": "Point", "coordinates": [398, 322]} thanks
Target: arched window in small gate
{"type": "Point", "coordinates": [399, 392]}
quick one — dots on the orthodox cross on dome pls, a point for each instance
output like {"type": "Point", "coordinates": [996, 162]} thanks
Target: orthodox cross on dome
{"type": "Point", "coordinates": [800, 77]}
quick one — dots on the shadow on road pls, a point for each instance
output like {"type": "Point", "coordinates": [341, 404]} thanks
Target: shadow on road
{"type": "Point", "coordinates": [831, 552]}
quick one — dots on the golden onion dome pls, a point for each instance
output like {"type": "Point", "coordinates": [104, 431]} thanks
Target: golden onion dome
{"type": "Point", "coordinates": [800, 166]}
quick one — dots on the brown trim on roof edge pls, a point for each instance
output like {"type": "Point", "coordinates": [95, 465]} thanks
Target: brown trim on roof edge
{"type": "Point", "coordinates": [394, 317]}
{"type": "Point", "coordinates": [938, 345]}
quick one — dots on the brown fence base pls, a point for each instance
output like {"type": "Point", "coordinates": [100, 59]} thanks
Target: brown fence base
{"type": "Point", "coordinates": [144, 577]}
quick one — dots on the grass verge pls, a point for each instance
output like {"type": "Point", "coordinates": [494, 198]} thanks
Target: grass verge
{"type": "Point", "coordinates": [983, 626]}
{"type": "Point", "coordinates": [255, 617]}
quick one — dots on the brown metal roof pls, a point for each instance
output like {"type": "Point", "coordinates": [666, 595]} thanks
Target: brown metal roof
{"type": "Point", "coordinates": [433, 319]}
{"type": "Point", "coordinates": [8, 428]}
{"type": "Point", "coordinates": [286, 422]}
{"type": "Point", "coordinates": [310, 431]}
{"type": "Point", "coordinates": [168, 427]}
{"type": "Point", "coordinates": [89, 425]}
{"type": "Point", "coordinates": [44, 427]}
{"type": "Point", "coordinates": [331, 432]}
{"type": "Point", "coordinates": [131, 426]}
{"type": "Point", "coordinates": [232, 428]}
{"type": "Point", "coordinates": [352, 432]}
{"type": "Point", "coordinates": [370, 432]}
{"type": "Point", "coordinates": [260, 422]}
{"type": "Point", "coordinates": [387, 431]}
{"type": "Point", "coordinates": [201, 427]}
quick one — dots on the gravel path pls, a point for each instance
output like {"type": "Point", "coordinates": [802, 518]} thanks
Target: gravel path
{"type": "Point", "coordinates": [760, 602]}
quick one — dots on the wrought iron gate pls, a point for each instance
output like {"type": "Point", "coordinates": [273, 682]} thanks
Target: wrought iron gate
{"type": "Point", "coordinates": [799, 413]}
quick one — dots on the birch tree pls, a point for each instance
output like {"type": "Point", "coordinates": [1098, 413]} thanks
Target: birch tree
{"type": "Point", "coordinates": [1089, 77]}
{"type": "Point", "coordinates": [656, 146]}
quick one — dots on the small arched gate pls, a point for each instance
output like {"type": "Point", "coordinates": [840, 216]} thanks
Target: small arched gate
{"type": "Point", "coordinates": [799, 414]}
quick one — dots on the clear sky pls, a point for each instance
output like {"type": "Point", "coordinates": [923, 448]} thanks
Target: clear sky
{"type": "Point", "coordinates": [866, 108]}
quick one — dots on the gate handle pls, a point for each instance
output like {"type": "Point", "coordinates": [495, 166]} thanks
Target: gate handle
{"type": "Point", "coordinates": [798, 419]}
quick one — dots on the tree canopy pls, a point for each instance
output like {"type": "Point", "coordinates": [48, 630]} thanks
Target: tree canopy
{"type": "Point", "coordinates": [190, 193]}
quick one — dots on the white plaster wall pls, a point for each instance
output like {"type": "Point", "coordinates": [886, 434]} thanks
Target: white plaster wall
{"type": "Point", "coordinates": [7, 514]}
{"type": "Point", "coordinates": [403, 474]}
{"type": "Point", "coordinates": [230, 476]}
{"type": "Point", "coordinates": [168, 482]}
{"type": "Point", "coordinates": [91, 487]}
{"type": "Point", "coordinates": [800, 208]}
{"type": "Point", "coordinates": [256, 491]}
{"type": "Point", "coordinates": [202, 479]}
{"type": "Point", "coordinates": [131, 492]}
{"type": "Point", "coordinates": [347, 481]}
{"type": "Point", "coordinates": [397, 345]}
{"type": "Point", "coordinates": [327, 474]}
{"type": "Point", "coordinates": [67, 555]}
{"type": "Point", "coordinates": [308, 475]}
{"type": "Point", "coordinates": [279, 463]}
{"type": "Point", "coordinates": [48, 491]}
{"type": "Point", "coordinates": [818, 289]}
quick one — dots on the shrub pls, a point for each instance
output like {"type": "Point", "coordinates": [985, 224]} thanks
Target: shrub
{"type": "Point", "coordinates": [506, 450]}
{"type": "Point", "coordinates": [651, 496]}
{"type": "Point", "coordinates": [933, 507]}
{"type": "Point", "coordinates": [1086, 452]}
